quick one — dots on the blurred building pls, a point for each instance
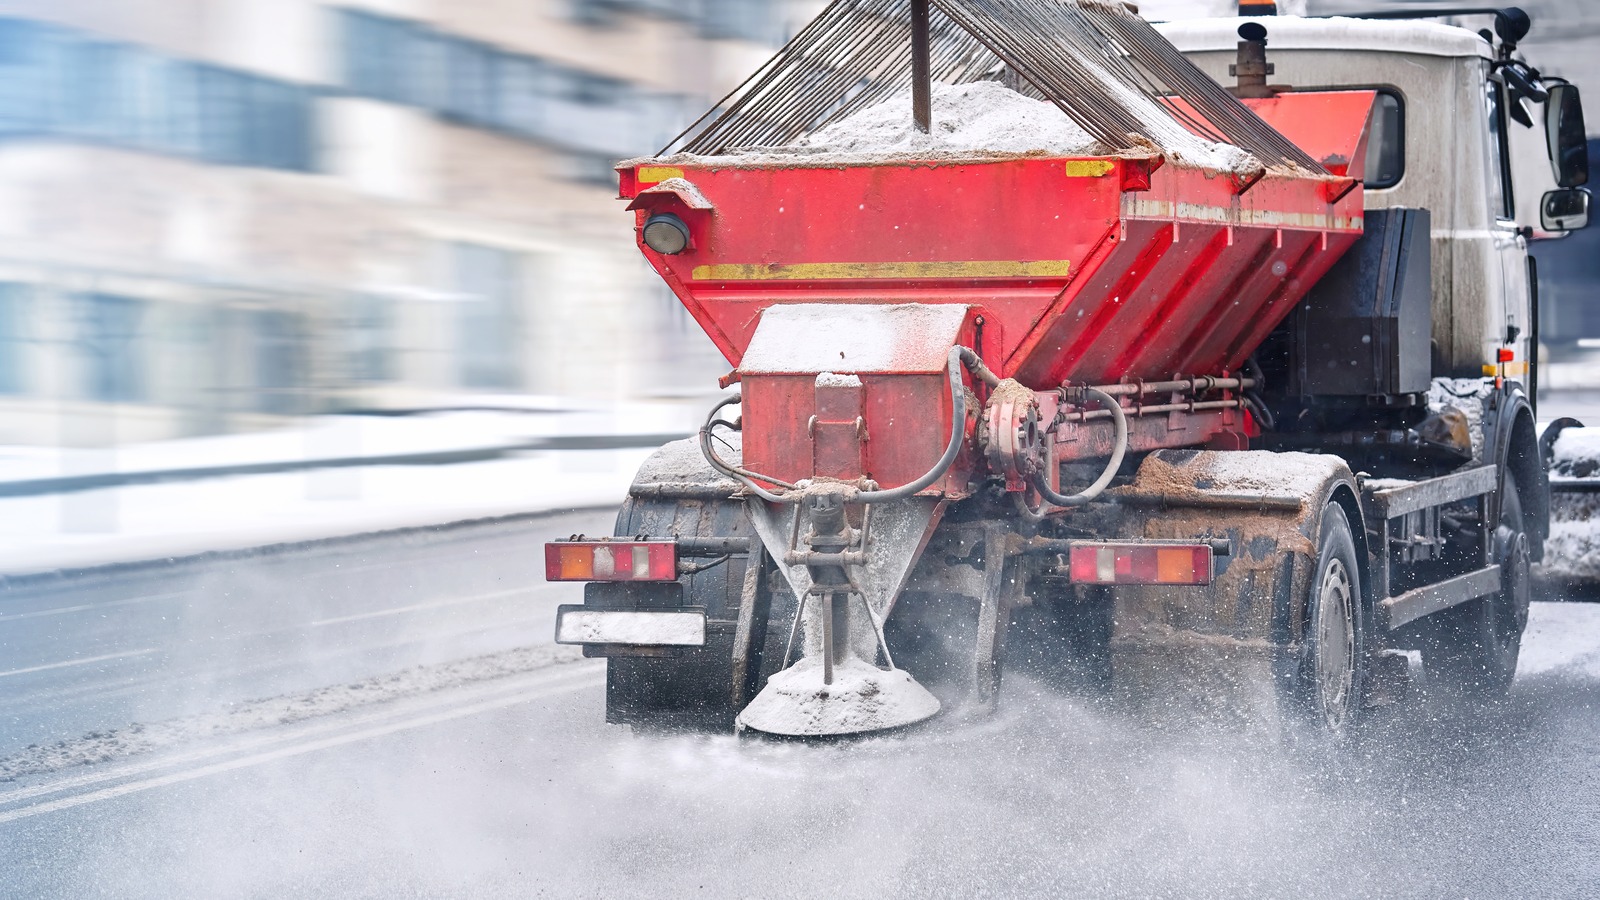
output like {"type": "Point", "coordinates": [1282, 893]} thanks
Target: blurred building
{"type": "Point", "coordinates": [218, 213]}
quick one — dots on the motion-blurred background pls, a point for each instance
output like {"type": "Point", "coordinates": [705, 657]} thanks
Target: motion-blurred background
{"type": "Point", "coordinates": [220, 215]}
{"type": "Point", "coordinates": [216, 214]}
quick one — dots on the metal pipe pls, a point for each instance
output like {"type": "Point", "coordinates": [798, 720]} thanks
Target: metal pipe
{"type": "Point", "coordinates": [1202, 383]}
{"type": "Point", "coordinates": [1196, 406]}
{"type": "Point", "coordinates": [827, 638]}
{"type": "Point", "coordinates": [921, 89]}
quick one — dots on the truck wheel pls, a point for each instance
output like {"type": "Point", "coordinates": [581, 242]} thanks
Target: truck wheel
{"type": "Point", "coordinates": [1333, 664]}
{"type": "Point", "coordinates": [1474, 646]}
{"type": "Point", "coordinates": [692, 688]}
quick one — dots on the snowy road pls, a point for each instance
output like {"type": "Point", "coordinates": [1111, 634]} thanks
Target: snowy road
{"type": "Point", "coordinates": [445, 763]}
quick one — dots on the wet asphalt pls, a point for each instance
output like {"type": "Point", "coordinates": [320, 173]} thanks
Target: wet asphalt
{"type": "Point", "coordinates": [515, 787]}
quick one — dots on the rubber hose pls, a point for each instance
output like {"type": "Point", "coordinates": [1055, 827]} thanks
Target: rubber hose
{"type": "Point", "coordinates": [717, 462]}
{"type": "Point", "coordinates": [958, 421]}
{"type": "Point", "coordinates": [1120, 440]}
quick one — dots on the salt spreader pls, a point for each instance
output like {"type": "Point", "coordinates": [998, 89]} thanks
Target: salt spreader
{"type": "Point", "coordinates": [1154, 417]}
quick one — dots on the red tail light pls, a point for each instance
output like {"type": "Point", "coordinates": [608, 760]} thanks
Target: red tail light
{"type": "Point", "coordinates": [610, 561]}
{"type": "Point", "coordinates": [1130, 563]}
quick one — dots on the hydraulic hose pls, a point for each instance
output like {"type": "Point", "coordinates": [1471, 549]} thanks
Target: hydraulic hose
{"type": "Point", "coordinates": [1120, 442]}
{"type": "Point", "coordinates": [957, 357]}
{"type": "Point", "coordinates": [1263, 415]}
{"type": "Point", "coordinates": [737, 474]}
{"type": "Point", "coordinates": [958, 420]}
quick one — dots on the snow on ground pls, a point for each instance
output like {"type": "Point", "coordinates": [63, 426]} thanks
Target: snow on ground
{"type": "Point", "coordinates": [1562, 638]}
{"type": "Point", "coordinates": [155, 521]}
{"type": "Point", "coordinates": [177, 518]}
{"type": "Point", "coordinates": [335, 437]}
{"type": "Point", "coordinates": [110, 744]}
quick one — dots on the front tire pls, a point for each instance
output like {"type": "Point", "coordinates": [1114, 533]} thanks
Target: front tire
{"type": "Point", "coordinates": [1475, 645]}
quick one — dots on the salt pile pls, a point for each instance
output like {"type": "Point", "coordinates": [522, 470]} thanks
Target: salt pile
{"type": "Point", "coordinates": [983, 116]}
{"type": "Point", "coordinates": [987, 118]}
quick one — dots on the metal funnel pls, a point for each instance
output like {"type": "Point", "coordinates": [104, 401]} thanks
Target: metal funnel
{"type": "Point", "coordinates": [832, 690]}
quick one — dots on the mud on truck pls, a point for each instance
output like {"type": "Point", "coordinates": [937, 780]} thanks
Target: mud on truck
{"type": "Point", "coordinates": [1054, 355]}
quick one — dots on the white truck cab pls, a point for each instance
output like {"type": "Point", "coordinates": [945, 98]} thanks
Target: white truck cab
{"type": "Point", "coordinates": [1461, 127]}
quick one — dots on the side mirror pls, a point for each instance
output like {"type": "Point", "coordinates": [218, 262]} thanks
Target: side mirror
{"type": "Point", "coordinates": [1566, 209]}
{"type": "Point", "coordinates": [1564, 131]}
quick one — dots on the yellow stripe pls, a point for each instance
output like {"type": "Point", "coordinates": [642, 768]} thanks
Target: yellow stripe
{"type": "Point", "coordinates": [658, 174]}
{"type": "Point", "coordinates": [1089, 168]}
{"type": "Point", "coordinates": [827, 271]}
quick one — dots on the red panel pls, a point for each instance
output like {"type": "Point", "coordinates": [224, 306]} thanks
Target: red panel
{"type": "Point", "coordinates": [1088, 271]}
{"type": "Point", "coordinates": [1331, 126]}
{"type": "Point", "coordinates": [1144, 269]}
{"type": "Point", "coordinates": [907, 423]}
{"type": "Point", "coordinates": [1021, 213]}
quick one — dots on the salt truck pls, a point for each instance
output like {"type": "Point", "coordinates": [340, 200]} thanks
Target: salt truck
{"type": "Point", "coordinates": [1051, 354]}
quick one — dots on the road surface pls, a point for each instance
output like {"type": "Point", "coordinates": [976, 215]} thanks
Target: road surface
{"type": "Point", "coordinates": [358, 721]}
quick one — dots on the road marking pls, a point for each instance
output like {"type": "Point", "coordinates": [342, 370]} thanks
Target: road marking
{"type": "Point", "coordinates": [181, 669]}
{"type": "Point", "coordinates": [257, 759]}
{"type": "Point", "coordinates": [543, 678]}
{"type": "Point", "coordinates": [430, 604]}
{"type": "Point", "coordinates": [63, 610]}
{"type": "Point", "coordinates": [78, 662]}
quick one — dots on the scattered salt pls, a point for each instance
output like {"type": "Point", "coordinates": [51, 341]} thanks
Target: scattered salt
{"type": "Point", "coordinates": [862, 698]}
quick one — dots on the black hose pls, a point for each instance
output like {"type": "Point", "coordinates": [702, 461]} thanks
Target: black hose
{"type": "Point", "coordinates": [1120, 440]}
{"type": "Point", "coordinates": [1253, 369]}
{"type": "Point", "coordinates": [737, 474]}
{"type": "Point", "coordinates": [958, 420]}
{"type": "Point", "coordinates": [958, 357]}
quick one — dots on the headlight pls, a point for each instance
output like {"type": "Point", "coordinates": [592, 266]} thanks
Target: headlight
{"type": "Point", "coordinates": [666, 233]}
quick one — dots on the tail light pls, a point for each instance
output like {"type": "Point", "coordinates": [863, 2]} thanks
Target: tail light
{"type": "Point", "coordinates": [1133, 563]}
{"type": "Point", "coordinates": [603, 560]}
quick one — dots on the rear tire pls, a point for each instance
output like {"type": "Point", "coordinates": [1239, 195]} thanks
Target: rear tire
{"type": "Point", "coordinates": [1333, 664]}
{"type": "Point", "coordinates": [693, 688]}
{"type": "Point", "coordinates": [1474, 646]}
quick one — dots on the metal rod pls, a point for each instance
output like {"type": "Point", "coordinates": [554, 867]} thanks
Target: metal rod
{"type": "Point", "coordinates": [877, 624]}
{"type": "Point", "coordinates": [921, 86]}
{"type": "Point", "coordinates": [827, 638]}
{"type": "Point", "coordinates": [794, 627]}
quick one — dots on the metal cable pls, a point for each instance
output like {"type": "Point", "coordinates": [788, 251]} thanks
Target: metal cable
{"type": "Point", "coordinates": [1107, 69]}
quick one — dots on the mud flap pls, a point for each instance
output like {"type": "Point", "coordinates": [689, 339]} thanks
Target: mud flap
{"type": "Point", "coordinates": [1229, 651]}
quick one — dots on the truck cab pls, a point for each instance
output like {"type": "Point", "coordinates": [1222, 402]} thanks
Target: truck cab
{"type": "Point", "coordinates": [1446, 136]}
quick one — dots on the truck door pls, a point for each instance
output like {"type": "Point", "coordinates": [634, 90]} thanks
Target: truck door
{"type": "Point", "coordinates": [1510, 326]}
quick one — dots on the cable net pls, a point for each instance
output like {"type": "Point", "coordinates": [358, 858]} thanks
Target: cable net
{"type": "Point", "coordinates": [1099, 63]}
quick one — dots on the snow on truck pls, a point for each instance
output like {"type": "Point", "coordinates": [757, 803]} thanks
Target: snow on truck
{"type": "Point", "coordinates": [1055, 355]}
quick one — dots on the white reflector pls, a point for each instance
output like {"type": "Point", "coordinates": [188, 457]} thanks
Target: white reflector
{"type": "Point", "coordinates": [653, 628]}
